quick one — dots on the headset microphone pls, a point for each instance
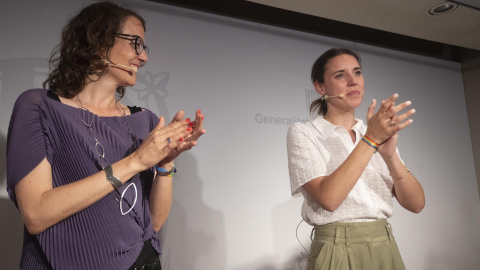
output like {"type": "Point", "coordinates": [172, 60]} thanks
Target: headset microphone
{"type": "Point", "coordinates": [340, 96]}
{"type": "Point", "coordinates": [110, 63]}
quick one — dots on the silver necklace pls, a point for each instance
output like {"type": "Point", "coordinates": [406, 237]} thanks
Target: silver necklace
{"type": "Point", "coordinates": [101, 151]}
{"type": "Point", "coordinates": [131, 135]}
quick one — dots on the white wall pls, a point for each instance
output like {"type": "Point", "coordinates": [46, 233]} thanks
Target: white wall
{"type": "Point", "coordinates": [232, 207]}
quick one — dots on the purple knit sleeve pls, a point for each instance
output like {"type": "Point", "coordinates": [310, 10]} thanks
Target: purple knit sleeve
{"type": "Point", "coordinates": [27, 141]}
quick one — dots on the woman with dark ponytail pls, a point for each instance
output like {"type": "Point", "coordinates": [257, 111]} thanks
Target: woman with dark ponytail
{"type": "Point", "coordinates": [348, 172]}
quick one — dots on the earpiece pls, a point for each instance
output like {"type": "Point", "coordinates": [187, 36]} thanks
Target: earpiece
{"type": "Point", "coordinates": [340, 96]}
{"type": "Point", "coordinates": [110, 63]}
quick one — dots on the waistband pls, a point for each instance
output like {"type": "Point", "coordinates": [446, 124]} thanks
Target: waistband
{"type": "Point", "coordinates": [148, 258]}
{"type": "Point", "coordinates": [354, 233]}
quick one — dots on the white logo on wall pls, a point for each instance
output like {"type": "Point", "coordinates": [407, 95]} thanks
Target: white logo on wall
{"type": "Point", "coordinates": [150, 92]}
{"type": "Point", "coordinates": [310, 96]}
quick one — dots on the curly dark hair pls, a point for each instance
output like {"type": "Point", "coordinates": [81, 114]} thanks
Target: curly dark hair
{"type": "Point", "coordinates": [318, 74]}
{"type": "Point", "coordinates": [77, 57]}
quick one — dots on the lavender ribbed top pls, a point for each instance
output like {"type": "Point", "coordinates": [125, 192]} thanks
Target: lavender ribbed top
{"type": "Point", "coordinates": [99, 237]}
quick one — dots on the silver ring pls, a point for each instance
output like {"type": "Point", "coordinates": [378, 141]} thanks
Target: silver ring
{"type": "Point", "coordinates": [168, 140]}
{"type": "Point", "coordinates": [392, 124]}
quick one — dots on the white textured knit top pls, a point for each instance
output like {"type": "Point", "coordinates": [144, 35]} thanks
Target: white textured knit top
{"type": "Point", "coordinates": [318, 148]}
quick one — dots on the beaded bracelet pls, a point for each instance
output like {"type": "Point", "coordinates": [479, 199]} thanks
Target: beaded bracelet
{"type": "Point", "coordinates": [370, 142]}
{"type": "Point", "coordinates": [162, 172]}
{"type": "Point", "coordinates": [407, 170]}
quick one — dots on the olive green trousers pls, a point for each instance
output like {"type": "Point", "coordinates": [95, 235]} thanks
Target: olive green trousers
{"type": "Point", "coordinates": [354, 246]}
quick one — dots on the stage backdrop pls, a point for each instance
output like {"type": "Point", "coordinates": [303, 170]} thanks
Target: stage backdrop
{"type": "Point", "coordinates": [232, 207]}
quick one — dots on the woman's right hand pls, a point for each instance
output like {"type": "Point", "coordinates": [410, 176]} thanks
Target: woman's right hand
{"type": "Point", "coordinates": [380, 128]}
{"type": "Point", "coordinates": [160, 142]}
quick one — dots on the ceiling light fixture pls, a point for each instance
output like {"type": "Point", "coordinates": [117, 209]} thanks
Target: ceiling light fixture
{"type": "Point", "coordinates": [442, 8]}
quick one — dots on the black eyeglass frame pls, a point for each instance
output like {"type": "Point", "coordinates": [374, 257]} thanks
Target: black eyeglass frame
{"type": "Point", "coordinates": [136, 39]}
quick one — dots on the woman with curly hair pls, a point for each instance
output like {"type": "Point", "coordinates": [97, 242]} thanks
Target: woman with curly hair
{"type": "Point", "coordinates": [348, 172]}
{"type": "Point", "coordinates": [92, 177]}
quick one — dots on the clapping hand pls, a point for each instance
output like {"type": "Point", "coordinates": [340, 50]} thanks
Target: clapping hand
{"type": "Point", "coordinates": [195, 130]}
{"type": "Point", "coordinates": [383, 126]}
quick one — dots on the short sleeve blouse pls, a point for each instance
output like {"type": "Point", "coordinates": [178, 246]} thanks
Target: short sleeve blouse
{"type": "Point", "coordinates": [98, 237]}
{"type": "Point", "coordinates": [318, 148]}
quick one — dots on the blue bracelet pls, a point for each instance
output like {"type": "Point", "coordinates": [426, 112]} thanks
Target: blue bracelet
{"type": "Point", "coordinates": [162, 172]}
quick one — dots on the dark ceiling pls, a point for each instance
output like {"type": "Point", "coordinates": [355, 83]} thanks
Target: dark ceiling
{"type": "Point", "coordinates": [259, 13]}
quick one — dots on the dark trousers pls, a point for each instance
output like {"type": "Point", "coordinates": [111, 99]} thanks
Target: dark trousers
{"type": "Point", "coordinates": [148, 258]}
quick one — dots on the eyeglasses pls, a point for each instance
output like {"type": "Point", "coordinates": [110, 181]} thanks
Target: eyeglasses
{"type": "Point", "coordinates": [138, 41]}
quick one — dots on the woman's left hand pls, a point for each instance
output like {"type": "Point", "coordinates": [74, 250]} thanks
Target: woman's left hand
{"type": "Point", "coordinates": [188, 141]}
{"type": "Point", "coordinates": [389, 147]}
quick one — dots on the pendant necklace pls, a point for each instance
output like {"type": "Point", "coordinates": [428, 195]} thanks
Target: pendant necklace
{"type": "Point", "coordinates": [101, 151]}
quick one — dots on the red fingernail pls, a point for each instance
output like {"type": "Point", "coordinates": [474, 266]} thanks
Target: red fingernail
{"type": "Point", "coordinates": [187, 120]}
{"type": "Point", "coordinates": [199, 111]}
{"type": "Point", "coordinates": [181, 139]}
{"type": "Point", "coordinates": [189, 129]}
{"type": "Point", "coordinates": [191, 124]}
{"type": "Point", "coordinates": [202, 117]}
